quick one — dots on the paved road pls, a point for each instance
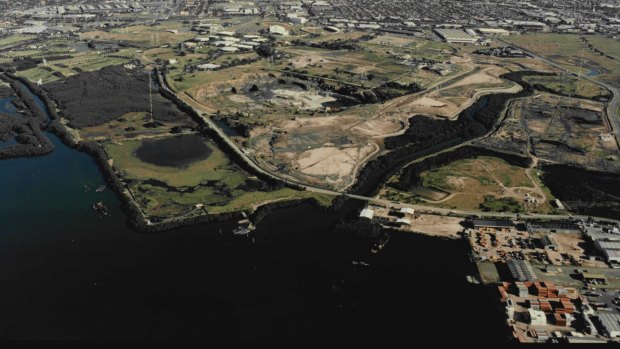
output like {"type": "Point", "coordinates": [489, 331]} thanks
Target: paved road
{"type": "Point", "coordinates": [612, 106]}
{"type": "Point", "coordinates": [388, 203]}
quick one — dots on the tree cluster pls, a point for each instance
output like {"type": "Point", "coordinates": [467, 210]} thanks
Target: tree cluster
{"type": "Point", "coordinates": [427, 135]}
{"type": "Point", "coordinates": [94, 98]}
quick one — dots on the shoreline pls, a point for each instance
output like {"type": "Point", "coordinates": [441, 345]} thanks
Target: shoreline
{"type": "Point", "coordinates": [136, 219]}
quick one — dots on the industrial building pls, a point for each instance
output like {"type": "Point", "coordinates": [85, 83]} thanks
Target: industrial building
{"type": "Point", "coordinates": [530, 25]}
{"type": "Point", "coordinates": [367, 213]}
{"type": "Point", "coordinates": [521, 270]}
{"type": "Point", "coordinates": [552, 227]}
{"type": "Point", "coordinates": [295, 19]}
{"type": "Point", "coordinates": [536, 317]}
{"type": "Point", "coordinates": [611, 250]}
{"type": "Point", "coordinates": [493, 31]}
{"type": "Point", "coordinates": [547, 243]}
{"type": "Point", "coordinates": [456, 36]}
{"type": "Point", "coordinates": [491, 225]}
{"type": "Point", "coordinates": [611, 323]}
{"type": "Point", "coordinates": [208, 66]}
{"type": "Point", "coordinates": [278, 30]}
{"type": "Point", "coordinates": [594, 279]}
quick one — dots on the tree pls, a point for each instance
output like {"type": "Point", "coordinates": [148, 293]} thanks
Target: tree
{"type": "Point", "coordinates": [265, 50]}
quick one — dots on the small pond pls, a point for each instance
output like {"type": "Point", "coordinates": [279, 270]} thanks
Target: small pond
{"type": "Point", "coordinates": [178, 151]}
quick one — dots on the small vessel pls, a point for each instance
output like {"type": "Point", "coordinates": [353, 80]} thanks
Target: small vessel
{"type": "Point", "coordinates": [472, 279]}
{"type": "Point", "coordinates": [242, 230]}
{"type": "Point", "coordinates": [100, 189]}
{"type": "Point", "coordinates": [101, 208]}
{"type": "Point", "coordinates": [380, 244]}
{"type": "Point", "coordinates": [245, 227]}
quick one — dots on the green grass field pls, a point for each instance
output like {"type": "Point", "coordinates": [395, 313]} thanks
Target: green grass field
{"type": "Point", "coordinates": [482, 183]}
{"type": "Point", "coordinates": [87, 61]}
{"type": "Point", "coordinates": [494, 204]}
{"type": "Point", "coordinates": [606, 44]}
{"type": "Point", "coordinates": [15, 39]}
{"type": "Point", "coordinates": [476, 176]}
{"type": "Point", "coordinates": [216, 182]}
{"type": "Point", "coordinates": [147, 36]}
{"type": "Point", "coordinates": [569, 85]}
{"type": "Point", "coordinates": [572, 53]}
{"type": "Point", "coordinates": [216, 168]}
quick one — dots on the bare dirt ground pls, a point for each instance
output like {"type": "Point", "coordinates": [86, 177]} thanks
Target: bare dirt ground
{"type": "Point", "coordinates": [435, 101]}
{"type": "Point", "coordinates": [441, 226]}
{"type": "Point", "coordinates": [322, 150]}
{"type": "Point", "coordinates": [569, 243]}
{"type": "Point", "coordinates": [307, 146]}
{"type": "Point", "coordinates": [488, 75]}
{"type": "Point", "coordinates": [321, 162]}
{"type": "Point", "coordinates": [335, 163]}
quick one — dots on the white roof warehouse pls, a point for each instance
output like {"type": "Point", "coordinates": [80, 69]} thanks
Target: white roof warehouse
{"type": "Point", "coordinates": [456, 36]}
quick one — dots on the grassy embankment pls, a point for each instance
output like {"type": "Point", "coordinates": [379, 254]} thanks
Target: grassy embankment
{"type": "Point", "coordinates": [215, 182]}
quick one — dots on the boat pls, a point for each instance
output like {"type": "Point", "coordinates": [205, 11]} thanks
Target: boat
{"type": "Point", "coordinates": [472, 280]}
{"type": "Point", "coordinates": [100, 188]}
{"type": "Point", "coordinates": [242, 230]}
{"type": "Point", "coordinates": [379, 245]}
{"type": "Point", "coordinates": [101, 208]}
{"type": "Point", "coordinates": [245, 227]}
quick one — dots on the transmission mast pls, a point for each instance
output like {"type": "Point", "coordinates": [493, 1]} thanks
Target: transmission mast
{"type": "Point", "coordinates": [150, 97]}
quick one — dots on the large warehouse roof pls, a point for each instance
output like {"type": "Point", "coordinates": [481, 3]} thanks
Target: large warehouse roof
{"type": "Point", "coordinates": [455, 35]}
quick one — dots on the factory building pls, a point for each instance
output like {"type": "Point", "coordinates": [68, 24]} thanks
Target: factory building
{"type": "Point", "coordinates": [491, 225]}
{"type": "Point", "coordinates": [278, 30]}
{"type": "Point", "coordinates": [611, 323]}
{"type": "Point", "coordinates": [536, 317]}
{"type": "Point", "coordinates": [456, 36]}
{"type": "Point", "coordinates": [493, 31]}
{"type": "Point", "coordinates": [552, 227]}
{"type": "Point", "coordinates": [208, 66]}
{"type": "Point", "coordinates": [295, 19]}
{"type": "Point", "coordinates": [521, 270]}
{"type": "Point", "coordinates": [367, 213]}
{"type": "Point", "coordinates": [530, 25]}
{"type": "Point", "coordinates": [611, 250]}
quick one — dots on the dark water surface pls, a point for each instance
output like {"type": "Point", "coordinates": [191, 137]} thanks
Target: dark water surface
{"type": "Point", "coordinates": [7, 107]}
{"type": "Point", "coordinates": [176, 151]}
{"type": "Point", "coordinates": [66, 272]}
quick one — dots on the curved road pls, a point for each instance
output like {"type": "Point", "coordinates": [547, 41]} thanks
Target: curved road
{"type": "Point", "coordinates": [613, 106]}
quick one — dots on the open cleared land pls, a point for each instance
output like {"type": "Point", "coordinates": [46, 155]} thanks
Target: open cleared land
{"type": "Point", "coordinates": [168, 174]}
{"type": "Point", "coordinates": [13, 39]}
{"type": "Point", "coordinates": [173, 191]}
{"type": "Point", "coordinates": [569, 85]}
{"type": "Point", "coordinates": [485, 183]}
{"type": "Point", "coordinates": [610, 46]}
{"type": "Point", "coordinates": [570, 131]}
{"type": "Point", "coordinates": [74, 64]}
{"type": "Point", "coordinates": [161, 34]}
{"type": "Point", "coordinates": [323, 107]}
{"type": "Point", "coordinates": [573, 53]}
{"type": "Point", "coordinates": [450, 100]}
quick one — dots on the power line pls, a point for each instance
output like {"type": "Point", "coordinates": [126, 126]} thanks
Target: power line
{"type": "Point", "coordinates": [150, 97]}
